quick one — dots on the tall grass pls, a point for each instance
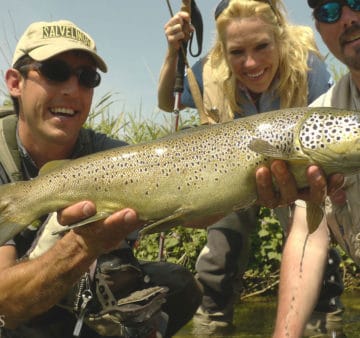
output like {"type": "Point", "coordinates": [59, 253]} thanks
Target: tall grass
{"type": "Point", "coordinates": [135, 128]}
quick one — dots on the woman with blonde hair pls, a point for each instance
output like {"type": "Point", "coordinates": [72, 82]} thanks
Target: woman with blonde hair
{"type": "Point", "coordinates": [291, 51]}
{"type": "Point", "coordinates": [259, 62]}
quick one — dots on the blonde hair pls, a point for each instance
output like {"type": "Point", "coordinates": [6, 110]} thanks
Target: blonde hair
{"type": "Point", "coordinates": [293, 42]}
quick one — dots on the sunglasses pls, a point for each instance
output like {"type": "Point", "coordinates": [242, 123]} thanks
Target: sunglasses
{"type": "Point", "coordinates": [223, 4]}
{"type": "Point", "coordinates": [60, 71]}
{"type": "Point", "coordinates": [330, 12]}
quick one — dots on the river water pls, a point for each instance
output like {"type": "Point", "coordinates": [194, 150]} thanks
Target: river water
{"type": "Point", "coordinates": [254, 318]}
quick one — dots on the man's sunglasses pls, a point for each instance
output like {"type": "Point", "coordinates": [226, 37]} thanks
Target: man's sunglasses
{"type": "Point", "coordinates": [60, 71]}
{"type": "Point", "coordinates": [330, 12]}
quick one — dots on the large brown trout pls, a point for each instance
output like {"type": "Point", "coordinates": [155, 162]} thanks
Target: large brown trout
{"type": "Point", "coordinates": [203, 171]}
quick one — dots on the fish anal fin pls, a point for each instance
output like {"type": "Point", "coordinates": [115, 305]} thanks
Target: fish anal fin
{"type": "Point", "coordinates": [165, 223]}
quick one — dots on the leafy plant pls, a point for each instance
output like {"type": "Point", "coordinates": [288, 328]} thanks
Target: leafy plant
{"type": "Point", "coordinates": [267, 244]}
{"type": "Point", "coordinates": [181, 246]}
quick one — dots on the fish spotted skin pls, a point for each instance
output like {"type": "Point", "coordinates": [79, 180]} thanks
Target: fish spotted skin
{"type": "Point", "coordinates": [207, 170]}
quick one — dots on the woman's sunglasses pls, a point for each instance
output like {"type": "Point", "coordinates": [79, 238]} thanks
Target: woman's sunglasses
{"type": "Point", "coordinates": [60, 71]}
{"type": "Point", "coordinates": [225, 3]}
{"type": "Point", "coordinates": [330, 12]}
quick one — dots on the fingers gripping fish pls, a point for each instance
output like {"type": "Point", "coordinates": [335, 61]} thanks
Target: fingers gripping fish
{"type": "Point", "coordinates": [203, 171]}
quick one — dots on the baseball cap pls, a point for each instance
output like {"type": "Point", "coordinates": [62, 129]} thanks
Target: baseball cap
{"type": "Point", "coordinates": [313, 3]}
{"type": "Point", "coordinates": [43, 40]}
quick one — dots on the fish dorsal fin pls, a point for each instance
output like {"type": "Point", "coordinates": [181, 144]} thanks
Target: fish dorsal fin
{"type": "Point", "coordinates": [314, 215]}
{"type": "Point", "coordinates": [265, 148]}
{"type": "Point", "coordinates": [52, 165]}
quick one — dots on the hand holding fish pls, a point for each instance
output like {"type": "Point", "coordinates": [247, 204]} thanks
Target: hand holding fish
{"type": "Point", "coordinates": [287, 190]}
{"type": "Point", "coordinates": [336, 192]}
{"type": "Point", "coordinates": [104, 235]}
{"type": "Point", "coordinates": [318, 188]}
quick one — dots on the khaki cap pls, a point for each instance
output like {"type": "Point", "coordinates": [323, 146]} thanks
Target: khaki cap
{"type": "Point", "coordinates": [43, 40]}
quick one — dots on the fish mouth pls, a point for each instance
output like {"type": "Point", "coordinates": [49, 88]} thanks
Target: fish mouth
{"type": "Point", "coordinates": [61, 111]}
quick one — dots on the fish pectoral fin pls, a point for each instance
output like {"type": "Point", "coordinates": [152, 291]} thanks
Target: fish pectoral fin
{"type": "Point", "coordinates": [97, 217]}
{"type": "Point", "coordinates": [265, 148]}
{"type": "Point", "coordinates": [314, 216]}
{"type": "Point", "coordinates": [164, 224]}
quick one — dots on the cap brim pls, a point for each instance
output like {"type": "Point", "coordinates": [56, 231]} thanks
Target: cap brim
{"type": "Point", "coordinates": [45, 52]}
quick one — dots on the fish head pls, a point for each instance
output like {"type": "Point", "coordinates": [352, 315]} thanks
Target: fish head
{"type": "Point", "coordinates": [331, 138]}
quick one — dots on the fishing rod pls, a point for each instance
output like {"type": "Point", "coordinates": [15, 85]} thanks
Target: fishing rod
{"type": "Point", "coordinates": [180, 68]}
{"type": "Point", "coordinates": [190, 7]}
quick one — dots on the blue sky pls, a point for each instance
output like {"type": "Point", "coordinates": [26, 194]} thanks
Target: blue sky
{"type": "Point", "coordinates": [129, 36]}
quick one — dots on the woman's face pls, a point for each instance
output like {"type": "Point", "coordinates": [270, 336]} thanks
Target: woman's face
{"type": "Point", "coordinates": [251, 52]}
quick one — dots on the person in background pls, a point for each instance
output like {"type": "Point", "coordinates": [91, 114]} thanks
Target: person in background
{"type": "Point", "coordinates": [338, 23]}
{"type": "Point", "coordinates": [51, 82]}
{"type": "Point", "coordinates": [259, 62]}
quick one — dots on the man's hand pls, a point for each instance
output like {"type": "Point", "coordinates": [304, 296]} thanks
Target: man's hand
{"type": "Point", "coordinates": [267, 196]}
{"type": "Point", "coordinates": [104, 235]}
{"type": "Point", "coordinates": [336, 193]}
{"type": "Point", "coordinates": [288, 191]}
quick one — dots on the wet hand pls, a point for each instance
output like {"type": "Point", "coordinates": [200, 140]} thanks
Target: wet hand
{"type": "Point", "coordinates": [287, 188]}
{"type": "Point", "coordinates": [336, 193]}
{"type": "Point", "coordinates": [317, 190]}
{"type": "Point", "coordinates": [267, 196]}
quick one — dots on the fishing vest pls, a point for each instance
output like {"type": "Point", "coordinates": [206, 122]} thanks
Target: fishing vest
{"type": "Point", "coordinates": [9, 153]}
{"type": "Point", "coordinates": [216, 105]}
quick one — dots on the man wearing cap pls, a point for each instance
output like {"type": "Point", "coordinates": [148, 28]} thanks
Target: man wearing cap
{"type": "Point", "coordinates": [51, 82]}
{"type": "Point", "coordinates": [338, 23]}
